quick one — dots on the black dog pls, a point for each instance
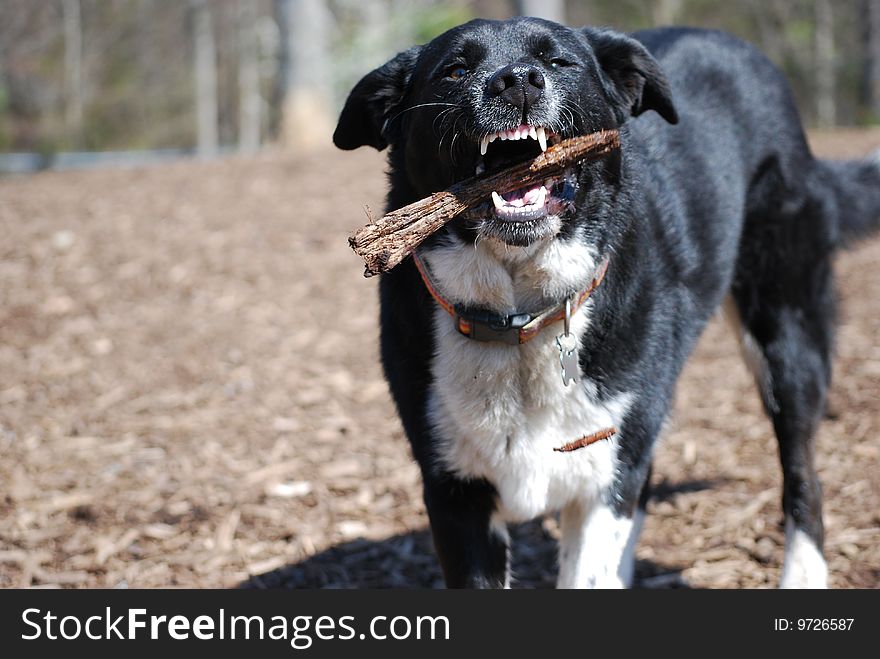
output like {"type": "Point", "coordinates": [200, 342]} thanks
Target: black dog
{"type": "Point", "coordinates": [714, 195]}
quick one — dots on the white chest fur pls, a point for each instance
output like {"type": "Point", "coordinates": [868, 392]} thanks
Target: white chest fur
{"type": "Point", "coordinates": [498, 411]}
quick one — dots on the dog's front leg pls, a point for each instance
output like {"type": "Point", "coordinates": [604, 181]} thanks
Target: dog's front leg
{"type": "Point", "coordinates": [471, 543]}
{"type": "Point", "coordinates": [597, 546]}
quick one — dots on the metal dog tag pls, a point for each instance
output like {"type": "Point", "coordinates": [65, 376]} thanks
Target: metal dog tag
{"type": "Point", "coordinates": [567, 344]}
{"type": "Point", "coordinates": [568, 358]}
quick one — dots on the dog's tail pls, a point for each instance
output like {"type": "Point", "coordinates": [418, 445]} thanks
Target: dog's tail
{"type": "Point", "coordinates": [852, 188]}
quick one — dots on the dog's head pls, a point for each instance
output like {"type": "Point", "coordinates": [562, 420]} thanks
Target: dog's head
{"type": "Point", "coordinates": [488, 94]}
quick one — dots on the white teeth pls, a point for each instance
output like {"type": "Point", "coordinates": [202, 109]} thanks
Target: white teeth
{"type": "Point", "coordinates": [542, 137]}
{"type": "Point", "coordinates": [538, 133]}
{"type": "Point", "coordinates": [538, 201]}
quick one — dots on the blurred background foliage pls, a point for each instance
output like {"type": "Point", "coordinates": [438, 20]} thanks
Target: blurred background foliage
{"type": "Point", "coordinates": [208, 74]}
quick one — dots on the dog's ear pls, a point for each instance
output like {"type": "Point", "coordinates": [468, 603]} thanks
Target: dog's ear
{"type": "Point", "coordinates": [369, 105]}
{"type": "Point", "coordinates": [632, 78]}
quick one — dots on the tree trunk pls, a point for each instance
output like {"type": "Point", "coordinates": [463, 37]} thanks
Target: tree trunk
{"type": "Point", "coordinates": [73, 83]}
{"type": "Point", "coordinates": [304, 75]}
{"type": "Point", "coordinates": [248, 79]}
{"type": "Point", "coordinates": [666, 12]}
{"type": "Point", "coordinates": [872, 58]}
{"type": "Point", "coordinates": [552, 10]}
{"type": "Point", "coordinates": [205, 62]}
{"type": "Point", "coordinates": [826, 109]}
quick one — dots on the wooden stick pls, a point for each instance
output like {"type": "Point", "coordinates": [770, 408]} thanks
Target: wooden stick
{"type": "Point", "coordinates": [586, 440]}
{"type": "Point", "coordinates": [386, 242]}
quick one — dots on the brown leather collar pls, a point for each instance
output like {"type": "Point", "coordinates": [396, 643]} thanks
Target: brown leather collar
{"type": "Point", "coordinates": [512, 329]}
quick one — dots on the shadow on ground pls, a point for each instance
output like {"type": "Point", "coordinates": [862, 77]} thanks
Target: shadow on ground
{"type": "Point", "coordinates": [408, 560]}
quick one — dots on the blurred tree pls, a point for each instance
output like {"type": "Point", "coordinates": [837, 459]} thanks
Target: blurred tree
{"type": "Point", "coordinates": [205, 74]}
{"type": "Point", "coordinates": [666, 12]}
{"type": "Point", "coordinates": [552, 10]}
{"type": "Point", "coordinates": [826, 63]}
{"type": "Point", "coordinates": [362, 41]}
{"type": "Point", "coordinates": [496, 9]}
{"type": "Point", "coordinates": [871, 17]}
{"type": "Point", "coordinates": [73, 82]}
{"type": "Point", "coordinates": [249, 100]}
{"type": "Point", "coordinates": [304, 76]}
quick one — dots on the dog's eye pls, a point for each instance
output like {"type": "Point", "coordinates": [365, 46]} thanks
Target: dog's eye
{"type": "Point", "coordinates": [456, 71]}
{"type": "Point", "coordinates": [560, 62]}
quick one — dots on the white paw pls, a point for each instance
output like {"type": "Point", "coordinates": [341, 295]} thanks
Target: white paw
{"type": "Point", "coordinates": [804, 565]}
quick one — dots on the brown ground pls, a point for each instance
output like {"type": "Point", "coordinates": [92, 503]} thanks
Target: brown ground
{"type": "Point", "coordinates": [190, 396]}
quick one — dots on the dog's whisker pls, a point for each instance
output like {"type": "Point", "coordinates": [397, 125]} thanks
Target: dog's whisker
{"type": "Point", "coordinates": [417, 107]}
{"type": "Point", "coordinates": [442, 117]}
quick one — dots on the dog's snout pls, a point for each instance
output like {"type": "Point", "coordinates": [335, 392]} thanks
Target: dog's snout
{"type": "Point", "coordinates": [519, 84]}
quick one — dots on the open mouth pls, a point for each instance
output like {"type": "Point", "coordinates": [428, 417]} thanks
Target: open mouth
{"type": "Point", "coordinates": [504, 148]}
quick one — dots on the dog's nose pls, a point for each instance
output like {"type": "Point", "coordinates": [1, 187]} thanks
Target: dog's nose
{"type": "Point", "coordinates": [519, 84]}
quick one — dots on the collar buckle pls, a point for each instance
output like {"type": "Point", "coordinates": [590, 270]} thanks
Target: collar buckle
{"type": "Point", "coordinates": [486, 326]}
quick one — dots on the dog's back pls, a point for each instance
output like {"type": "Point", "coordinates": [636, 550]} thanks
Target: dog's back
{"type": "Point", "coordinates": [745, 143]}
{"type": "Point", "coordinates": [750, 160]}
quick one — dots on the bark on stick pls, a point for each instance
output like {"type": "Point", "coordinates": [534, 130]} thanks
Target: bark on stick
{"type": "Point", "coordinates": [386, 242]}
